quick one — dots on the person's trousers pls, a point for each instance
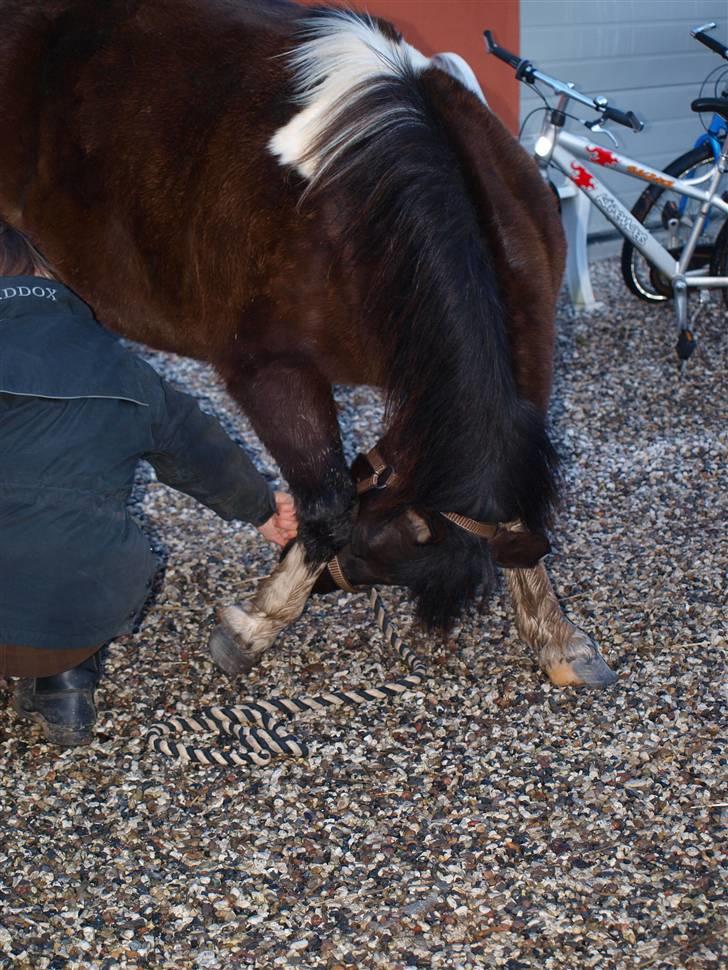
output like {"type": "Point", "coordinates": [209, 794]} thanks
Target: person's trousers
{"type": "Point", "coordinates": [36, 662]}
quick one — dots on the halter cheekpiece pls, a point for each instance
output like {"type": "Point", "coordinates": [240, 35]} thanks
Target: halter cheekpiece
{"type": "Point", "coordinates": [382, 475]}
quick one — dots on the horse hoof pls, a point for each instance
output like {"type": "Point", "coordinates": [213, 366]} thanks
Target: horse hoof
{"type": "Point", "coordinates": [587, 669]}
{"type": "Point", "coordinates": [227, 653]}
{"type": "Point", "coordinates": [594, 671]}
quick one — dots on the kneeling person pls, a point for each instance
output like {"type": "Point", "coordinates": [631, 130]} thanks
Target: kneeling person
{"type": "Point", "coordinates": [77, 413]}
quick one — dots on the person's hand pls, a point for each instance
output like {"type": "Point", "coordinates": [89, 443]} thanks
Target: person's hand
{"type": "Point", "coordinates": [282, 526]}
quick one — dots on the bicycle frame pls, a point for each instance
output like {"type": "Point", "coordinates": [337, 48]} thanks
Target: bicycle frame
{"type": "Point", "coordinates": [715, 135]}
{"type": "Point", "coordinates": [565, 150]}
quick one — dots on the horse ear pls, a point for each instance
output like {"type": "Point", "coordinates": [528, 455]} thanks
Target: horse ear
{"type": "Point", "coordinates": [457, 67]}
{"type": "Point", "coordinates": [419, 527]}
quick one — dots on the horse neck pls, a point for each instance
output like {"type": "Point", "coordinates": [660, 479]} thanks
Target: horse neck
{"type": "Point", "coordinates": [458, 433]}
{"type": "Point", "coordinates": [430, 309]}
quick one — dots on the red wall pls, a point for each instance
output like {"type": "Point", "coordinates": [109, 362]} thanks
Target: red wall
{"type": "Point", "coordinates": [458, 25]}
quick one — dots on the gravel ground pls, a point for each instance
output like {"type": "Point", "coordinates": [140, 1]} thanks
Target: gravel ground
{"type": "Point", "coordinates": [490, 820]}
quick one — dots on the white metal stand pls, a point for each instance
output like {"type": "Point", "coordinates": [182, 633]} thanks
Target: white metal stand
{"type": "Point", "coordinates": [575, 220]}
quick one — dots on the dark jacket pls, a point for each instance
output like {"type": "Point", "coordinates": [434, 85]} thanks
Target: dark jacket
{"type": "Point", "coordinates": [77, 412]}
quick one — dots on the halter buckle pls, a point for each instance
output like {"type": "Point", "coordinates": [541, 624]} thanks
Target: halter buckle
{"type": "Point", "coordinates": [380, 479]}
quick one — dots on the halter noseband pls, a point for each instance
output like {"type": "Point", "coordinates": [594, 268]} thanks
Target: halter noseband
{"type": "Point", "coordinates": [381, 477]}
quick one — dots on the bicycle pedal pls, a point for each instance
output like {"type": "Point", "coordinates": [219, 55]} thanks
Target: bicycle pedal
{"type": "Point", "coordinates": [686, 344]}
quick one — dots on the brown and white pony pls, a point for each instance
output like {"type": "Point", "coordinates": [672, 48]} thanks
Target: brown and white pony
{"type": "Point", "coordinates": [301, 198]}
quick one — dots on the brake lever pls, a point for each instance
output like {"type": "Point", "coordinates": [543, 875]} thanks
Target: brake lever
{"type": "Point", "coordinates": [597, 127]}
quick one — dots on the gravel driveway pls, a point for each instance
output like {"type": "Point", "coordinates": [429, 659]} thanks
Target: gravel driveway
{"type": "Point", "coordinates": [489, 820]}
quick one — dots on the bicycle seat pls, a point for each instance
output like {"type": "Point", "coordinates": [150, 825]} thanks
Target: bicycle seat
{"type": "Point", "coordinates": [718, 106]}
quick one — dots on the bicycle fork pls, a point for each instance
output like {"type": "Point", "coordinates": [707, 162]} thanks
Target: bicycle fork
{"type": "Point", "coordinates": [686, 339]}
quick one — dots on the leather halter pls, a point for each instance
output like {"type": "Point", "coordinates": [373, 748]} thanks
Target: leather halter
{"type": "Point", "coordinates": [337, 574]}
{"type": "Point", "coordinates": [384, 475]}
{"type": "Point", "coordinates": [484, 530]}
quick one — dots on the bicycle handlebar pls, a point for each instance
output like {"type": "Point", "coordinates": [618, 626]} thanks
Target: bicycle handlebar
{"type": "Point", "coordinates": [715, 45]}
{"type": "Point", "coordinates": [501, 53]}
{"type": "Point", "coordinates": [526, 72]}
{"type": "Point", "coordinates": [627, 118]}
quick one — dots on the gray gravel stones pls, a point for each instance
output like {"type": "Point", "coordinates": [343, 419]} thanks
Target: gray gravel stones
{"type": "Point", "coordinates": [489, 820]}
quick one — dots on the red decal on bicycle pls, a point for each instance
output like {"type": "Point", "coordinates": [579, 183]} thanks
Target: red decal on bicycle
{"type": "Point", "coordinates": [581, 177]}
{"type": "Point", "coordinates": [602, 156]}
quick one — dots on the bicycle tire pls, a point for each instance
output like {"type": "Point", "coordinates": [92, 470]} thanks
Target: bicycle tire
{"type": "Point", "coordinates": [719, 262]}
{"type": "Point", "coordinates": [642, 279]}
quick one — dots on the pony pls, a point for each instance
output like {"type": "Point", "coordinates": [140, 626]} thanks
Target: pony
{"type": "Point", "coordinates": [301, 198]}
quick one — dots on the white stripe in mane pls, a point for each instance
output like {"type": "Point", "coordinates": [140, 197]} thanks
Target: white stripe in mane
{"type": "Point", "coordinates": [345, 51]}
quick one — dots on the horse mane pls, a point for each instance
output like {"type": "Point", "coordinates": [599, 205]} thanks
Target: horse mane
{"type": "Point", "coordinates": [368, 130]}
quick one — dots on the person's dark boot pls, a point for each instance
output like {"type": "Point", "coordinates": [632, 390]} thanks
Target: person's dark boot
{"type": "Point", "coordinates": [63, 704]}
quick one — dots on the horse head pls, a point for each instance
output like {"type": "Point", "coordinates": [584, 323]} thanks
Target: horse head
{"type": "Point", "coordinates": [443, 557]}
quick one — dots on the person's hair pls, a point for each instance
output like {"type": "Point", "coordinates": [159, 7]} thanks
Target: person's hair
{"type": "Point", "coordinates": [18, 255]}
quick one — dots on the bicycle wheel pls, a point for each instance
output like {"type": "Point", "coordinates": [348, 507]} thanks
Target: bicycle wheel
{"type": "Point", "coordinates": [670, 216]}
{"type": "Point", "coordinates": [719, 262]}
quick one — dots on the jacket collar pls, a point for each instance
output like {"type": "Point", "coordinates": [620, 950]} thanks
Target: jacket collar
{"type": "Point", "coordinates": [52, 346]}
{"type": "Point", "coordinates": [33, 295]}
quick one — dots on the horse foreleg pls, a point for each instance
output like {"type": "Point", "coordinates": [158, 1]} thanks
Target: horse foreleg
{"type": "Point", "coordinates": [292, 411]}
{"type": "Point", "coordinates": [242, 635]}
{"type": "Point", "coordinates": [291, 408]}
{"type": "Point", "coordinates": [566, 654]}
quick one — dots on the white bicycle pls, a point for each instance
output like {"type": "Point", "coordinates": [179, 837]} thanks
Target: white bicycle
{"type": "Point", "coordinates": [678, 265]}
